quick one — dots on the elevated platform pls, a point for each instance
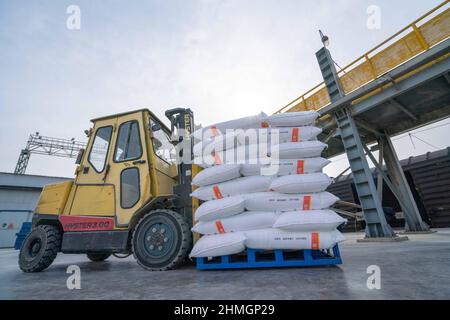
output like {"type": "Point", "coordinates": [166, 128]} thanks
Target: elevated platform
{"type": "Point", "coordinates": [401, 84]}
{"type": "Point", "coordinates": [399, 103]}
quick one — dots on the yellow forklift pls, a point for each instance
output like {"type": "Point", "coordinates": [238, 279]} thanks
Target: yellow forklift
{"type": "Point", "coordinates": [130, 195]}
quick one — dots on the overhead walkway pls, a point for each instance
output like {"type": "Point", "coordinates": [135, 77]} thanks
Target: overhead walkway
{"type": "Point", "coordinates": [410, 54]}
{"type": "Point", "coordinates": [401, 84]}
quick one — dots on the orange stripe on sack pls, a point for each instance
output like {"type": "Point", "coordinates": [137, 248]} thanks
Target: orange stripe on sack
{"type": "Point", "coordinates": [307, 203]}
{"type": "Point", "coordinates": [214, 131]}
{"type": "Point", "coordinates": [315, 241]}
{"type": "Point", "coordinates": [294, 134]}
{"type": "Point", "coordinates": [300, 166]}
{"type": "Point", "coordinates": [220, 227]}
{"type": "Point", "coordinates": [217, 159]}
{"type": "Point", "coordinates": [217, 192]}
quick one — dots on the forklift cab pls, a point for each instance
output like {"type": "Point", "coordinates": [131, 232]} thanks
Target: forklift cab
{"type": "Point", "coordinates": [128, 196]}
{"type": "Point", "coordinates": [126, 164]}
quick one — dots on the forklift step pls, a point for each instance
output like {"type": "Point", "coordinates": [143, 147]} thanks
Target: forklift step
{"type": "Point", "coordinates": [252, 258]}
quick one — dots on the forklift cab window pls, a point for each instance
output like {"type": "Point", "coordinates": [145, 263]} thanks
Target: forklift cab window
{"type": "Point", "coordinates": [129, 187]}
{"type": "Point", "coordinates": [99, 149]}
{"type": "Point", "coordinates": [161, 142]}
{"type": "Point", "coordinates": [128, 146]}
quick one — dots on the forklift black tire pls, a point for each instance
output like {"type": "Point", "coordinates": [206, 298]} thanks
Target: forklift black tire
{"type": "Point", "coordinates": [98, 257]}
{"type": "Point", "coordinates": [39, 248]}
{"type": "Point", "coordinates": [161, 240]}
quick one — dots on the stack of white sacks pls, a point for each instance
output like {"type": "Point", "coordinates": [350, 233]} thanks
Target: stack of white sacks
{"type": "Point", "coordinates": [273, 202]}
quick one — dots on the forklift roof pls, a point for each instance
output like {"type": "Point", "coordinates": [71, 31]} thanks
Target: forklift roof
{"type": "Point", "coordinates": [130, 112]}
{"type": "Point", "coordinates": [125, 113]}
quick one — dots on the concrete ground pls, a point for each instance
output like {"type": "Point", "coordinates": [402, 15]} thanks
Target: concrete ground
{"type": "Point", "coordinates": [414, 269]}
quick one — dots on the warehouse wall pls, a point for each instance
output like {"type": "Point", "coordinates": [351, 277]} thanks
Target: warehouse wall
{"type": "Point", "coordinates": [18, 197]}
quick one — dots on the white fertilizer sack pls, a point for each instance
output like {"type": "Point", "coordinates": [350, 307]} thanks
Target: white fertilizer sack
{"type": "Point", "coordinates": [294, 150]}
{"type": "Point", "coordinates": [273, 201]}
{"type": "Point", "coordinates": [243, 154]}
{"type": "Point", "coordinates": [255, 153]}
{"type": "Point", "coordinates": [233, 187]}
{"type": "Point", "coordinates": [301, 183]}
{"type": "Point", "coordinates": [217, 129]}
{"type": "Point", "coordinates": [216, 174]}
{"type": "Point", "coordinates": [292, 119]}
{"type": "Point", "coordinates": [313, 220]}
{"type": "Point", "coordinates": [219, 245]}
{"type": "Point", "coordinates": [218, 209]}
{"type": "Point", "coordinates": [278, 135]}
{"type": "Point", "coordinates": [262, 153]}
{"type": "Point", "coordinates": [242, 222]}
{"type": "Point", "coordinates": [271, 239]}
{"type": "Point", "coordinates": [297, 134]}
{"type": "Point", "coordinates": [286, 166]}
{"type": "Point", "coordinates": [204, 162]}
{"type": "Point", "coordinates": [216, 144]}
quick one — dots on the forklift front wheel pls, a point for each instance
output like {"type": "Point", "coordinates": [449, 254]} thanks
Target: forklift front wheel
{"type": "Point", "coordinates": [40, 248]}
{"type": "Point", "coordinates": [161, 240]}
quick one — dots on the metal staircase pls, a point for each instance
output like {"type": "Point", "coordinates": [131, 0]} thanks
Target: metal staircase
{"type": "Point", "coordinates": [376, 224]}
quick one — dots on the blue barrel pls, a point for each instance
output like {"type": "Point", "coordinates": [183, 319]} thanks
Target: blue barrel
{"type": "Point", "coordinates": [24, 231]}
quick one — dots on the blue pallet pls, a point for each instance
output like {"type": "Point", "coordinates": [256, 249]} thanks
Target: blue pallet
{"type": "Point", "coordinates": [24, 231]}
{"type": "Point", "coordinates": [272, 259]}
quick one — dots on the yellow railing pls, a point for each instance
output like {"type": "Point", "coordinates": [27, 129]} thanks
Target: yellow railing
{"type": "Point", "coordinates": [414, 39]}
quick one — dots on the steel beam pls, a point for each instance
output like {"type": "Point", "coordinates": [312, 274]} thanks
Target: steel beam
{"type": "Point", "coordinates": [401, 107]}
{"type": "Point", "coordinates": [329, 136]}
{"type": "Point", "coordinates": [384, 177]}
{"type": "Point", "coordinates": [368, 127]}
{"type": "Point", "coordinates": [413, 219]}
{"type": "Point", "coordinates": [447, 77]}
{"type": "Point", "coordinates": [341, 174]}
{"type": "Point", "coordinates": [380, 172]}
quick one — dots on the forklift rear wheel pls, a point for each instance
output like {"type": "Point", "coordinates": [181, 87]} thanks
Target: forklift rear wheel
{"type": "Point", "coordinates": [40, 248]}
{"type": "Point", "coordinates": [161, 240]}
{"type": "Point", "coordinates": [97, 257]}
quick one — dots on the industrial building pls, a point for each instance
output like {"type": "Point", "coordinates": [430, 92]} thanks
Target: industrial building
{"type": "Point", "coordinates": [18, 197]}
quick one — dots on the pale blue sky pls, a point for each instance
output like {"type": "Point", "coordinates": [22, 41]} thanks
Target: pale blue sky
{"type": "Point", "coordinates": [224, 59]}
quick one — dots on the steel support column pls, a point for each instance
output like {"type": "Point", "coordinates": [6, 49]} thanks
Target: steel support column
{"type": "Point", "coordinates": [413, 220]}
{"type": "Point", "coordinates": [380, 171]}
{"type": "Point", "coordinates": [22, 163]}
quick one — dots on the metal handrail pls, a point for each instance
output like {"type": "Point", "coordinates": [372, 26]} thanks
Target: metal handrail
{"type": "Point", "coordinates": [365, 56]}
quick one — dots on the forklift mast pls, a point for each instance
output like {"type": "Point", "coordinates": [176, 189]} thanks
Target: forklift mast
{"type": "Point", "coordinates": [182, 127]}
